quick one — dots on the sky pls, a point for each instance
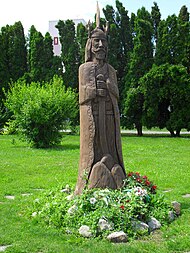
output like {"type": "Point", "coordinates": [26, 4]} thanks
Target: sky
{"type": "Point", "coordinates": [40, 12]}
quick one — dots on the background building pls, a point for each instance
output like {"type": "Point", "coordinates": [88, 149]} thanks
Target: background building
{"type": "Point", "coordinates": [55, 34]}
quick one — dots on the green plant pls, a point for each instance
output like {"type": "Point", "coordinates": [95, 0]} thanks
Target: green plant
{"type": "Point", "coordinates": [41, 111]}
{"type": "Point", "coordinates": [136, 201]}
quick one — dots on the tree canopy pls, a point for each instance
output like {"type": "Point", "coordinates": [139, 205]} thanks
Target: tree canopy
{"type": "Point", "coordinates": [142, 46]}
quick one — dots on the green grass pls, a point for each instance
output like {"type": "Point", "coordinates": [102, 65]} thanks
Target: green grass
{"type": "Point", "coordinates": [165, 160]}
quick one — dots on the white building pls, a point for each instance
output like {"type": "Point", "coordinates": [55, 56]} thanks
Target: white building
{"type": "Point", "coordinates": [55, 34]}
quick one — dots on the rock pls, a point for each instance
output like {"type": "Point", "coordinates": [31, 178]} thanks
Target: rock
{"type": "Point", "coordinates": [139, 225]}
{"type": "Point", "coordinates": [101, 177]}
{"type": "Point", "coordinates": [108, 161]}
{"type": "Point", "coordinates": [177, 207]}
{"type": "Point", "coordinates": [118, 175]}
{"type": "Point", "coordinates": [154, 224]}
{"type": "Point", "coordinates": [34, 214]}
{"type": "Point", "coordinates": [26, 194]}
{"type": "Point", "coordinates": [85, 231]}
{"type": "Point", "coordinates": [67, 189]}
{"type": "Point", "coordinates": [3, 248]}
{"type": "Point", "coordinates": [10, 197]}
{"type": "Point", "coordinates": [186, 195]}
{"type": "Point", "coordinates": [104, 225]}
{"type": "Point", "coordinates": [117, 237]}
{"type": "Point", "coordinates": [70, 197]}
{"type": "Point", "coordinates": [171, 216]}
{"type": "Point", "coordinates": [168, 190]}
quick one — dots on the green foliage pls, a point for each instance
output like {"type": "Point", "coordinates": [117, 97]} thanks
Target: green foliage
{"type": "Point", "coordinates": [166, 90]}
{"type": "Point", "coordinates": [82, 36]}
{"type": "Point", "coordinates": [133, 108]}
{"type": "Point", "coordinates": [140, 62]}
{"type": "Point", "coordinates": [136, 201]}
{"type": "Point", "coordinates": [69, 52]}
{"type": "Point", "coordinates": [40, 112]}
{"type": "Point", "coordinates": [13, 60]}
{"type": "Point", "coordinates": [167, 47]}
{"type": "Point", "coordinates": [156, 18]}
{"type": "Point", "coordinates": [17, 53]}
{"type": "Point", "coordinates": [120, 39]}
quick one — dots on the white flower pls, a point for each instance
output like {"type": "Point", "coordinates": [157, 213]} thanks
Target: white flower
{"type": "Point", "coordinates": [92, 201]}
{"type": "Point", "coordinates": [139, 191]}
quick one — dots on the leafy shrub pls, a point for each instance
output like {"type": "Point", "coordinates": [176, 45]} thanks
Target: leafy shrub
{"type": "Point", "coordinates": [135, 202]}
{"type": "Point", "coordinates": [41, 111]}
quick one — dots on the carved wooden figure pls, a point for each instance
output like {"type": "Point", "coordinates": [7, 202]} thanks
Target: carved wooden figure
{"type": "Point", "coordinates": [101, 162]}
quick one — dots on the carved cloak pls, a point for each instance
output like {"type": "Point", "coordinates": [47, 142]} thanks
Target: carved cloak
{"type": "Point", "coordinates": [87, 93]}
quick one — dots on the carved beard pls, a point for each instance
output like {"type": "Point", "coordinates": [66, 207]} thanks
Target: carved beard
{"type": "Point", "coordinates": [99, 53]}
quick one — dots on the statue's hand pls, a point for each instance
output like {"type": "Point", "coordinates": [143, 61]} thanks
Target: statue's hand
{"type": "Point", "coordinates": [101, 92]}
{"type": "Point", "coordinates": [101, 84]}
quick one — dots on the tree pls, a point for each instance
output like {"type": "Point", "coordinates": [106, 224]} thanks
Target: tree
{"type": "Point", "coordinates": [184, 38]}
{"type": "Point", "coordinates": [4, 63]}
{"type": "Point", "coordinates": [43, 65]}
{"type": "Point", "coordinates": [120, 43]}
{"type": "Point", "coordinates": [141, 62]}
{"type": "Point", "coordinates": [36, 56]}
{"type": "Point", "coordinates": [69, 52]}
{"type": "Point", "coordinates": [166, 91]}
{"type": "Point", "coordinates": [52, 64]}
{"type": "Point", "coordinates": [17, 53]}
{"type": "Point", "coordinates": [133, 109]}
{"type": "Point", "coordinates": [82, 36]}
{"type": "Point", "coordinates": [156, 18]}
{"type": "Point", "coordinates": [167, 45]}
{"type": "Point", "coordinates": [13, 61]}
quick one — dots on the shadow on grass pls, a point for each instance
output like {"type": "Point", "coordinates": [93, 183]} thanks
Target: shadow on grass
{"type": "Point", "coordinates": [56, 148]}
{"type": "Point", "coordinates": [65, 147]}
{"type": "Point", "coordinates": [187, 136]}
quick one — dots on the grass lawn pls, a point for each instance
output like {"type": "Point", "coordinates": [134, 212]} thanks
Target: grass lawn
{"type": "Point", "coordinates": [24, 170]}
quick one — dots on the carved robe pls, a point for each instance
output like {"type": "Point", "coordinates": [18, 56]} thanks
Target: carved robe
{"type": "Point", "coordinates": [100, 141]}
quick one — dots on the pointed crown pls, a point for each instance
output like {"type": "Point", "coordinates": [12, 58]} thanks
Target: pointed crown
{"type": "Point", "coordinates": [98, 31]}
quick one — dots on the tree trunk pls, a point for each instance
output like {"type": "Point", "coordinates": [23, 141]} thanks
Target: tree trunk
{"type": "Point", "coordinates": [172, 133]}
{"type": "Point", "coordinates": [139, 129]}
{"type": "Point", "coordinates": [178, 133]}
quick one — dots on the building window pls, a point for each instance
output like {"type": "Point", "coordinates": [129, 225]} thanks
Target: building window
{"type": "Point", "coordinates": [55, 41]}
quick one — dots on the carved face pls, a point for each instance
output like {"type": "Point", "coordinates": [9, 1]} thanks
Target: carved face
{"type": "Point", "coordinates": [99, 47]}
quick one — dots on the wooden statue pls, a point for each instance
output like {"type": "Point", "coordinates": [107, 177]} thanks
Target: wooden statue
{"type": "Point", "coordinates": [101, 162]}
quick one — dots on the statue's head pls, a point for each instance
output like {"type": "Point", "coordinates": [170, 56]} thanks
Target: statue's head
{"type": "Point", "coordinates": [96, 45]}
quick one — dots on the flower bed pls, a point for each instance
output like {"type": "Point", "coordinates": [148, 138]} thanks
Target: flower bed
{"type": "Point", "coordinates": [103, 211]}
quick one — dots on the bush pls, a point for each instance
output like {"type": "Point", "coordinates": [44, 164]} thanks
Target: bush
{"type": "Point", "coordinates": [137, 201]}
{"type": "Point", "coordinates": [41, 111]}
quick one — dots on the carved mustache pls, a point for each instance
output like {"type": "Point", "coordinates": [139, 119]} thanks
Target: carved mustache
{"type": "Point", "coordinates": [99, 49]}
